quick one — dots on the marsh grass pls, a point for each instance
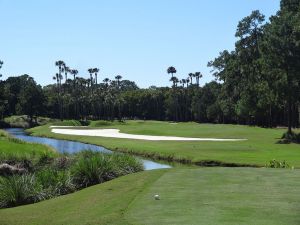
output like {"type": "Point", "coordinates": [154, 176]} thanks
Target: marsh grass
{"type": "Point", "coordinates": [19, 190]}
{"type": "Point", "coordinates": [49, 176]}
{"type": "Point", "coordinates": [95, 167]}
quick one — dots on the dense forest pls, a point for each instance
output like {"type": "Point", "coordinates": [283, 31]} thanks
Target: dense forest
{"type": "Point", "coordinates": [257, 83]}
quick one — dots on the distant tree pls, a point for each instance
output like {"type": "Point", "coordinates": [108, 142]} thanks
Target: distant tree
{"type": "Point", "coordinates": [96, 71]}
{"type": "Point", "coordinates": [91, 71]}
{"type": "Point", "coordinates": [106, 81]}
{"type": "Point", "coordinates": [118, 78]}
{"type": "Point", "coordinates": [66, 70]}
{"type": "Point", "coordinates": [31, 99]}
{"type": "Point", "coordinates": [58, 77]}
{"type": "Point", "coordinates": [198, 75]}
{"type": "Point", "coordinates": [191, 75]}
{"type": "Point", "coordinates": [74, 73]}
{"type": "Point", "coordinates": [175, 81]}
{"type": "Point", "coordinates": [187, 81]}
{"type": "Point", "coordinates": [281, 53]}
{"type": "Point", "coordinates": [183, 82]}
{"type": "Point", "coordinates": [171, 70]}
{"type": "Point", "coordinates": [1, 63]}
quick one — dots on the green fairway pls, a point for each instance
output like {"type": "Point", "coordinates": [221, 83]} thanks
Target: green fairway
{"type": "Point", "coordinates": [188, 196]}
{"type": "Point", "coordinates": [259, 149]}
{"type": "Point", "coordinates": [11, 147]}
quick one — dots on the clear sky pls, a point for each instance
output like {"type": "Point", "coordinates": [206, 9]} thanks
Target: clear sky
{"type": "Point", "coordinates": [137, 39]}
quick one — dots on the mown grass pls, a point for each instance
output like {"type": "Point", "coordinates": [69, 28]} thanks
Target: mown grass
{"type": "Point", "coordinates": [223, 196]}
{"type": "Point", "coordinates": [100, 204]}
{"type": "Point", "coordinates": [261, 146]}
{"type": "Point", "coordinates": [205, 196]}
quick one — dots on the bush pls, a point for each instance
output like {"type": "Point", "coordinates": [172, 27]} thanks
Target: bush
{"type": "Point", "coordinates": [19, 190]}
{"type": "Point", "coordinates": [91, 168]}
{"type": "Point", "coordinates": [126, 164]}
{"type": "Point", "coordinates": [95, 167]}
{"type": "Point", "coordinates": [291, 137]}
{"type": "Point", "coordinates": [67, 123]}
{"type": "Point", "coordinates": [55, 182]}
{"type": "Point", "coordinates": [277, 164]}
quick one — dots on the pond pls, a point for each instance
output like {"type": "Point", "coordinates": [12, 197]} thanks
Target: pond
{"type": "Point", "coordinates": [73, 146]}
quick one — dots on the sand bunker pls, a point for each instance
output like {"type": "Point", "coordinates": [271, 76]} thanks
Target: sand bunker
{"type": "Point", "coordinates": [115, 133]}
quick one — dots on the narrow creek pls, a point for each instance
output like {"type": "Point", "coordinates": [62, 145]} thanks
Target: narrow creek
{"type": "Point", "coordinates": [73, 146]}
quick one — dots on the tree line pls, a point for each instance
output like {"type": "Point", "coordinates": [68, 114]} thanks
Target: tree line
{"type": "Point", "coordinates": [257, 83]}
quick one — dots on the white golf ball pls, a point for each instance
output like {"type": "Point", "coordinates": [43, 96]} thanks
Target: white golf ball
{"type": "Point", "coordinates": [156, 197]}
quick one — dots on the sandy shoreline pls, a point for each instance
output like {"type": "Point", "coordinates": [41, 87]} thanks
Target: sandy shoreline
{"type": "Point", "coordinates": [115, 133]}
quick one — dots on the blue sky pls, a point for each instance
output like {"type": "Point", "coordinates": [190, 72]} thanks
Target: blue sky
{"type": "Point", "coordinates": [137, 39]}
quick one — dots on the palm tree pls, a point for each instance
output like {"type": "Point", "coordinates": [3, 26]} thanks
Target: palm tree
{"type": "Point", "coordinates": [74, 73]}
{"type": "Point", "coordinates": [61, 64]}
{"type": "Point", "coordinates": [187, 82]}
{"type": "Point", "coordinates": [66, 69]}
{"type": "Point", "coordinates": [106, 81]}
{"type": "Point", "coordinates": [58, 77]}
{"type": "Point", "coordinates": [91, 70]}
{"type": "Point", "coordinates": [96, 70]}
{"type": "Point", "coordinates": [171, 70]}
{"type": "Point", "coordinates": [118, 78]}
{"type": "Point", "coordinates": [198, 75]}
{"type": "Point", "coordinates": [183, 82]}
{"type": "Point", "coordinates": [174, 80]}
{"type": "Point", "coordinates": [191, 75]}
{"type": "Point", "coordinates": [1, 63]}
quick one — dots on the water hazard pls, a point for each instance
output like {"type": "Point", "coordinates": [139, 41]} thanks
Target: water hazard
{"type": "Point", "coordinates": [73, 146]}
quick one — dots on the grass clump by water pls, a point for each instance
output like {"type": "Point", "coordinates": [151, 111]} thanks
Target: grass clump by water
{"type": "Point", "coordinates": [50, 177]}
{"type": "Point", "coordinates": [19, 190]}
{"type": "Point", "coordinates": [94, 167]}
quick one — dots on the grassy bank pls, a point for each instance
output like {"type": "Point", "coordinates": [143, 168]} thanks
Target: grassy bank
{"type": "Point", "coordinates": [223, 196]}
{"type": "Point", "coordinates": [11, 147]}
{"type": "Point", "coordinates": [261, 146]}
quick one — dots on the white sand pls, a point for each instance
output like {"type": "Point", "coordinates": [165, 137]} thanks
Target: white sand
{"type": "Point", "coordinates": [115, 133]}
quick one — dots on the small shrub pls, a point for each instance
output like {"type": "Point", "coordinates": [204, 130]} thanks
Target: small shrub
{"type": "Point", "coordinates": [95, 167]}
{"type": "Point", "coordinates": [290, 137]}
{"type": "Point", "coordinates": [67, 123]}
{"type": "Point", "coordinates": [101, 123]}
{"type": "Point", "coordinates": [19, 190]}
{"type": "Point", "coordinates": [277, 164]}
{"type": "Point", "coordinates": [63, 163]}
{"type": "Point", "coordinates": [125, 164]}
{"type": "Point", "coordinates": [55, 182]}
{"type": "Point", "coordinates": [91, 168]}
